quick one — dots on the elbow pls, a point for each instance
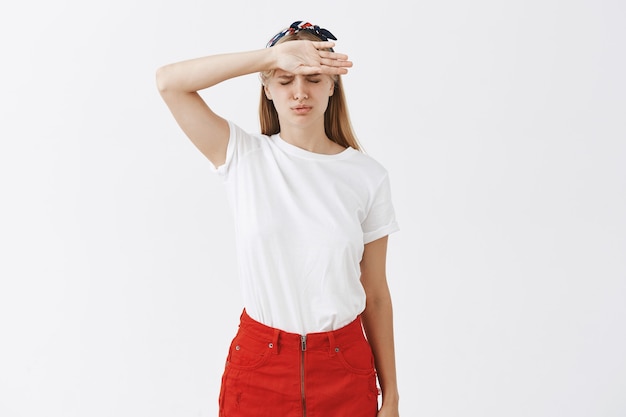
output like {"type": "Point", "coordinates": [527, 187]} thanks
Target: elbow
{"type": "Point", "coordinates": [378, 298]}
{"type": "Point", "coordinates": [162, 79]}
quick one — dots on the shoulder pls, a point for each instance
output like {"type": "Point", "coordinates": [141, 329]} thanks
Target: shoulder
{"type": "Point", "coordinates": [240, 144]}
{"type": "Point", "coordinates": [243, 142]}
{"type": "Point", "coordinates": [237, 133]}
{"type": "Point", "coordinates": [368, 166]}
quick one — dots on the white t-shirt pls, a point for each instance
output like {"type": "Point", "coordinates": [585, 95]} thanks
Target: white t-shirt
{"type": "Point", "coordinates": [301, 222]}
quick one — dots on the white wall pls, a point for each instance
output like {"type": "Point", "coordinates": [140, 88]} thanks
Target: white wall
{"type": "Point", "coordinates": [501, 123]}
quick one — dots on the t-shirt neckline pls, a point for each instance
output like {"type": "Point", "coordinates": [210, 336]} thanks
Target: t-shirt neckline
{"type": "Point", "coordinates": [303, 153]}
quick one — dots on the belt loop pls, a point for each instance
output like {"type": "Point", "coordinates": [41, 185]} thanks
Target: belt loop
{"type": "Point", "coordinates": [332, 348]}
{"type": "Point", "coordinates": [275, 342]}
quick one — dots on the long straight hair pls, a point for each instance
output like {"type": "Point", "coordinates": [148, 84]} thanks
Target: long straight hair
{"type": "Point", "coordinates": [337, 123]}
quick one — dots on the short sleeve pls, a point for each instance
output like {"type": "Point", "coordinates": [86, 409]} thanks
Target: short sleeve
{"type": "Point", "coordinates": [239, 144]}
{"type": "Point", "coordinates": [381, 219]}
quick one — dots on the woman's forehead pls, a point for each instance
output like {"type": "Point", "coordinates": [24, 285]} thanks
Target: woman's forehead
{"type": "Point", "coordinates": [282, 73]}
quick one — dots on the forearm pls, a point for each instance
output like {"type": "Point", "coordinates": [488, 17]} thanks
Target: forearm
{"type": "Point", "coordinates": [378, 324]}
{"type": "Point", "coordinates": [200, 73]}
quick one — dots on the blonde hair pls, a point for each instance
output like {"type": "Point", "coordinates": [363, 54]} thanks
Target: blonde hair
{"type": "Point", "coordinates": [337, 123]}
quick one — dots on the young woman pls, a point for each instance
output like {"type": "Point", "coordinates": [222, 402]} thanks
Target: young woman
{"type": "Point", "coordinates": [312, 216]}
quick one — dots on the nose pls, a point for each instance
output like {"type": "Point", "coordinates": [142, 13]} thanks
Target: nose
{"type": "Point", "coordinates": [299, 89]}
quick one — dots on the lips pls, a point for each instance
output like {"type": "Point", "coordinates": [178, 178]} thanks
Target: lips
{"type": "Point", "coordinates": [301, 109]}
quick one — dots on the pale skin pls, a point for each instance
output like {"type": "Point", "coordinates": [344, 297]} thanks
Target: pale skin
{"type": "Point", "coordinates": [299, 89]}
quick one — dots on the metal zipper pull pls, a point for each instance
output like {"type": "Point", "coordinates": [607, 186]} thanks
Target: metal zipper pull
{"type": "Point", "coordinates": [303, 342]}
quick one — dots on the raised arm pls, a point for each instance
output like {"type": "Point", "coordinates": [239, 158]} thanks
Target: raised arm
{"type": "Point", "coordinates": [180, 82]}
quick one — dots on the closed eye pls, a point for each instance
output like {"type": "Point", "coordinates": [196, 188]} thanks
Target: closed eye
{"type": "Point", "coordinates": [285, 79]}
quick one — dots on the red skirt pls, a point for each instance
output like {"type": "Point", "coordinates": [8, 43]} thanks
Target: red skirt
{"type": "Point", "coordinates": [272, 373]}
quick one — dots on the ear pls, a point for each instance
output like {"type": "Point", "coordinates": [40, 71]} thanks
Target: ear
{"type": "Point", "coordinates": [267, 92]}
{"type": "Point", "coordinates": [332, 89]}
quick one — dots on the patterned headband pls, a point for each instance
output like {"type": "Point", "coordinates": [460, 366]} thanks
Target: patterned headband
{"type": "Point", "coordinates": [298, 26]}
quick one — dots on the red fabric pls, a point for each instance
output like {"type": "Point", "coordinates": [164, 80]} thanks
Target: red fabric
{"type": "Point", "coordinates": [269, 374]}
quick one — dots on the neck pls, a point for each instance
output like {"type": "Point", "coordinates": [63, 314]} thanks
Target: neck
{"type": "Point", "coordinates": [312, 140]}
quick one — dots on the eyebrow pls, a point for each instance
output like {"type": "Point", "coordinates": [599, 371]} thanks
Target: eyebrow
{"type": "Point", "coordinates": [290, 76]}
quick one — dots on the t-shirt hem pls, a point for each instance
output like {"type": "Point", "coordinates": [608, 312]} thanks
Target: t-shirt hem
{"type": "Point", "coordinates": [383, 231]}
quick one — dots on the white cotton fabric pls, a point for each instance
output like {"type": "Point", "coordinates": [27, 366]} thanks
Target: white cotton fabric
{"type": "Point", "coordinates": [301, 222]}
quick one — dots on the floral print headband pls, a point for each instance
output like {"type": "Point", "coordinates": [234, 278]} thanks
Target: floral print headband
{"type": "Point", "coordinates": [299, 26]}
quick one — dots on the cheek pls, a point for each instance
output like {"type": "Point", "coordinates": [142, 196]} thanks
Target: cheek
{"type": "Point", "coordinates": [278, 97]}
{"type": "Point", "coordinates": [327, 88]}
{"type": "Point", "coordinates": [277, 92]}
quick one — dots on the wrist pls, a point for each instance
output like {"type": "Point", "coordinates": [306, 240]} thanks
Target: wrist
{"type": "Point", "coordinates": [272, 58]}
{"type": "Point", "coordinates": [391, 398]}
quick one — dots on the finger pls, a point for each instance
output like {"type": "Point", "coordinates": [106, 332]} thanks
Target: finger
{"type": "Point", "coordinates": [324, 69]}
{"type": "Point", "coordinates": [323, 44]}
{"type": "Point", "coordinates": [333, 55]}
{"type": "Point", "coordinates": [336, 63]}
